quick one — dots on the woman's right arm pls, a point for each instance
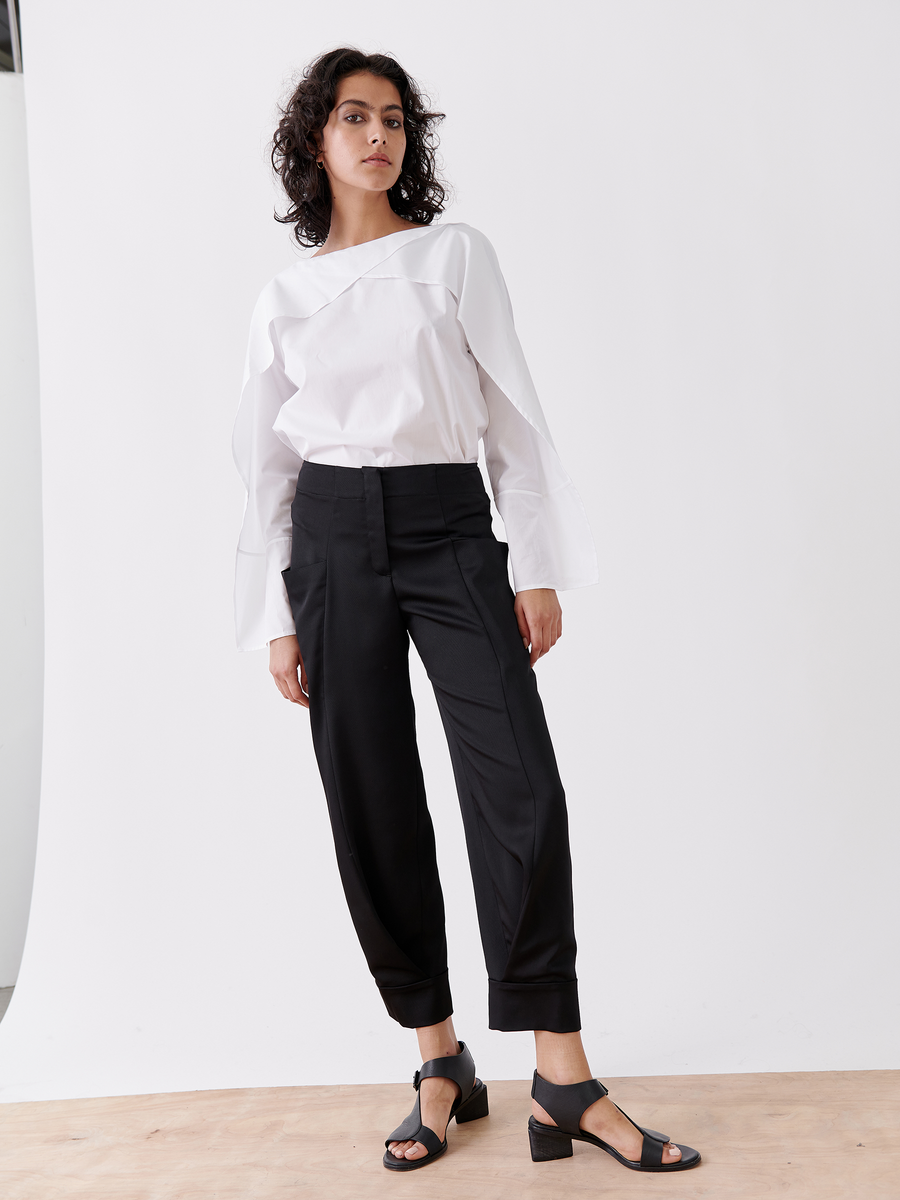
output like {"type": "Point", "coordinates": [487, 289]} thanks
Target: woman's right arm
{"type": "Point", "coordinates": [285, 662]}
{"type": "Point", "coordinates": [269, 469]}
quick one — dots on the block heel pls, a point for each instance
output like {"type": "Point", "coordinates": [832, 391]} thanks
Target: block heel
{"type": "Point", "coordinates": [476, 1106]}
{"type": "Point", "coordinates": [546, 1145]}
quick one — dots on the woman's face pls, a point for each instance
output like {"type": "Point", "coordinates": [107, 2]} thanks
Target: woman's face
{"type": "Point", "coordinates": [364, 141]}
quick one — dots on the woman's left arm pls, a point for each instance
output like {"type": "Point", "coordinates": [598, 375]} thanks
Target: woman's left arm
{"type": "Point", "coordinates": [550, 542]}
{"type": "Point", "coordinates": [539, 615]}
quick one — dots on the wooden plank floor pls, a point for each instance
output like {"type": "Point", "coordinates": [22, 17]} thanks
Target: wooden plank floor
{"type": "Point", "coordinates": [821, 1135]}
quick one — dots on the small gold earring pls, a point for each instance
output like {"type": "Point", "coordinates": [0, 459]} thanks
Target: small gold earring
{"type": "Point", "coordinates": [320, 164]}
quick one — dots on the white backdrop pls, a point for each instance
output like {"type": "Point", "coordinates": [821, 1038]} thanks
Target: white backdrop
{"type": "Point", "coordinates": [695, 208]}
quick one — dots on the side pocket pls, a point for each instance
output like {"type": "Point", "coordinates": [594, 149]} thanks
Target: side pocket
{"type": "Point", "coordinates": [484, 566]}
{"type": "Point", "coordinates": [484, 563]}
{"type": "Point", "coordinates": [311, 518]}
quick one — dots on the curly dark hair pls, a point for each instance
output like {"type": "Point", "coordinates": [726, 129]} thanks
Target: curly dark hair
{"type": "Point", "coordinates": [418, 195]}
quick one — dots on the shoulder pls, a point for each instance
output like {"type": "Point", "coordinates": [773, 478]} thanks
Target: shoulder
{"type": "Point", "coordinates": [285, 278]}
{"type": "Point", "coordinates": [281, 293]}
{"type": "Point", "coordinates": [468, 248]}
{"type": "Point", "coordinates": [463, 235]}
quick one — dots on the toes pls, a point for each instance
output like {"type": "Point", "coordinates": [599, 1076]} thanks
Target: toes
{"type": "Point", "coordinates": [673, 1153]}
{"type": "Point", "coordinates": [411, 1150]}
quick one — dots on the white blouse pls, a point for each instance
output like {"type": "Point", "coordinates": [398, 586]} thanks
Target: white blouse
{"type": "Point", "coordinates": [401, 350]}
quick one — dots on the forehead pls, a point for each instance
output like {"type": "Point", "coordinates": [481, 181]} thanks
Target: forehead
{"type": "Point", "coordinates": [371, 88]}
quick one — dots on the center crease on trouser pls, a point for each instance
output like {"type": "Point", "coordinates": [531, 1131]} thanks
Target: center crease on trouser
{"type": "Point", "coordinates": [381, 555]}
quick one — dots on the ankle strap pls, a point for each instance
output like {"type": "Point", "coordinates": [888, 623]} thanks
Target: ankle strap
{"type": "Point", "coordinates": [458, 1067]}
{"type": "Point", "coordinates": [565, 1102]}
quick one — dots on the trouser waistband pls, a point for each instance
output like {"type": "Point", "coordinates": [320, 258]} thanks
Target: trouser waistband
{"type": "Point", "coordinates": [323, 479]}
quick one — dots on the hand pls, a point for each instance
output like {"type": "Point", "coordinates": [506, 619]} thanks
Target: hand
{"type": "Point", "coordinates": [284, 661]}
{"type": "Point", "coordinates": [539, 615]}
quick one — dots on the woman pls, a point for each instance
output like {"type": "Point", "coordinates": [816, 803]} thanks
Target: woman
{"type": "Point", "coordinates": [374, 368]}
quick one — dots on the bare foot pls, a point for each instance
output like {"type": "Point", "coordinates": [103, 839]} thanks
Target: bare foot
{"type": "Point", "coordinates": [436, 1100]}
{"type": "Point", "coordinates": [561, 1060]}
{"type": "Point", "coordinates": [605, 1121]}
{"type": "Point", "coordinates": [436, 1095]}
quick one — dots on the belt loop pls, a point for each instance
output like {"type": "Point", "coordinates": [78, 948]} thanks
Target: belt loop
{"type": "Point", "coordinates": [375, 521]}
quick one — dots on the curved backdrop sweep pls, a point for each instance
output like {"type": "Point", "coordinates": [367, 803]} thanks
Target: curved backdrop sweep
{"type": "Point", "coordinates": [21, 602]}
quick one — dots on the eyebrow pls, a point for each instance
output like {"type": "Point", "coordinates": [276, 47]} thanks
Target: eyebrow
{"type": "Point", "coordinates": [365, 104]}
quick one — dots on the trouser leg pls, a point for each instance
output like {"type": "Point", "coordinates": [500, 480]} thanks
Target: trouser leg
{"type": "Point", "coordinates": [354, 644]}
{"type": "Point", "coordinates": [455, 594]}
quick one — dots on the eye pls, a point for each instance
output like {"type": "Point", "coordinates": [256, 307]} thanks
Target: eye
{"type": "Point", "coordinates": [392, 121]}
{"type": "Point", "coordinates": [350, 116]}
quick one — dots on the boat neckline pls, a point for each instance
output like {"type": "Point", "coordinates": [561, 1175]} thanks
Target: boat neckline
{"type": "Point", "coordinates": [371, 241]}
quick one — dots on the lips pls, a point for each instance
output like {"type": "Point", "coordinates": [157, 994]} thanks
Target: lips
{"type": "Point", "coordinates": [378, 158]}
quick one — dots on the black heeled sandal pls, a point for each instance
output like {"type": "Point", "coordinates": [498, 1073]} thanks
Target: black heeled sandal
{"type": "Point", "coordinates": [566, 1103]}
{"type": "Point", "coordinates": [469, 1105]}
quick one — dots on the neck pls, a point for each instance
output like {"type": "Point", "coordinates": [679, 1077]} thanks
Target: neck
{"type": "Point", "coordinates": [359, 216]}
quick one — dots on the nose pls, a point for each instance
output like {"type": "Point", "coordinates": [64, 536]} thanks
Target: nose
{"type": "Point", "coordinates": [378, 137]}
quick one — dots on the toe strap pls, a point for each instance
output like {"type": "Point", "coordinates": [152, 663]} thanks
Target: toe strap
{"type": "Point", "coordinates": [652, 1149]}
{"type": "Point", "coordinates": [416, 1133]}
{"type": "Point", "coordinates": [412, 1130]}
{"type": "Point", "coordinates": [429, 1139]}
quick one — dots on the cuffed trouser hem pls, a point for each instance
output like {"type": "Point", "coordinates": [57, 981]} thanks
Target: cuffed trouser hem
{"type": "Point", "coordinates": [424, 1003]}
{"type": "Point", "coordinates": [553, 1006]}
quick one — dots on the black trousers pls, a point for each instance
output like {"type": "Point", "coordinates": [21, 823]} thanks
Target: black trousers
{"type": "Point", "coordinates": [382, 554]}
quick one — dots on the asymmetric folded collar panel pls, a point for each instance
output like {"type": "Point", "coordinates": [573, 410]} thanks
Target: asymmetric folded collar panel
{"type": "Point", "coordinates": [454, 255]}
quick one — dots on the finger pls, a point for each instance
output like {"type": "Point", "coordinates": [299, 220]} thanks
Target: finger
{"type": "Point", "coordinates": [537, 645]}
{"type": "Point", "coordinates": [288, 686]}
{"type": "Point", "coordinates": [524, 631]}
{"type": "Point", "coordinates": [548, 636]}
{"type": "Point", "coordinates": [304, 686]}
{"type": "Point", "coordinates": [295, 691]}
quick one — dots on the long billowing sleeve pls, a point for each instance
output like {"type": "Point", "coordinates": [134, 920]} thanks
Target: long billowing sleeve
{"type": "Point", "coordinates": [550, 540]}
{"type": "Point", "coordinates": [269, 469]}
{"type": "Point", "coordinates": [550, 543]}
